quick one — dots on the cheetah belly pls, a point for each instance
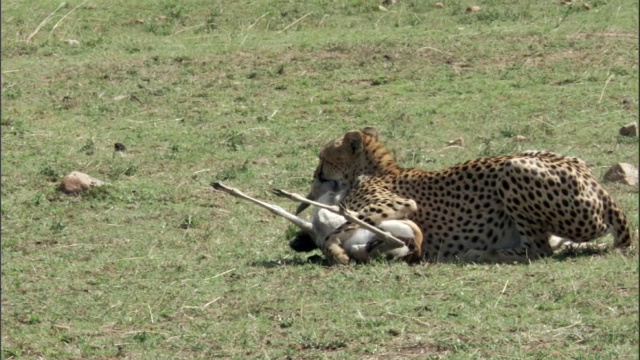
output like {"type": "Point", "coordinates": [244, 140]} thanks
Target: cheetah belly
{"type": "Point", "coordinates": [463, 235]}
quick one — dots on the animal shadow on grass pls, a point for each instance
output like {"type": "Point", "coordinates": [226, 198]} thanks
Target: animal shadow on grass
{"type": "Point", "coordinates": [296, 261]}
{"type": "Point", "coordinates": [572, 252]}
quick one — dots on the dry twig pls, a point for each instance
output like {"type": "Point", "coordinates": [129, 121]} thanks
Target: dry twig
{"type": "Point", "coordinates": [295, 22]}
{"type": "Point", "coordinates": [44, 22]}
{"type": "Point", "coordinates": [65, 16]}
{"type": "Point", "coordinates": [604, 88]}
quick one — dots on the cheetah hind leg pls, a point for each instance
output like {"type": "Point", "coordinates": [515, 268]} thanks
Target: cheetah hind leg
{"type": "Point", "coordinates": [526, 254]}
{"type": "Point", "coordinates": [558, 243]}
{"type": "Point", "coordinates": [533, 246]}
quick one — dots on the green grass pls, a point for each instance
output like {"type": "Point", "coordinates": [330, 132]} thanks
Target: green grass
{"type": "Point", "coordinates": [158, 265]}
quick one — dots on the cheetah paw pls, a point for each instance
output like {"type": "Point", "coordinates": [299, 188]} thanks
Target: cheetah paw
{"type": "Point", "coordinates": [474, 256]}
{"type": "Point", "coordinates": [337, 254]}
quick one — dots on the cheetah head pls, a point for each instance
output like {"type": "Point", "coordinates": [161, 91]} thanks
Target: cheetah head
{"type": "Point", "coordinates": [341, 162]}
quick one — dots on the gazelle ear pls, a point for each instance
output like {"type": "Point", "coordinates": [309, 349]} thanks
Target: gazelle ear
{"type": "Point", "coordinates": [353, 139]}
{"type": "Point", "coordinates": [371, 131]}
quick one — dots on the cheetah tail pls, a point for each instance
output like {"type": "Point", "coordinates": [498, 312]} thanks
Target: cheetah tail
{"type": "Point", "coordinates": [619, 225]}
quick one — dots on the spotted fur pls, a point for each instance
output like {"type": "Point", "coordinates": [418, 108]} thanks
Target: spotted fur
{"type": "Point", "coordinates": [496, 209]}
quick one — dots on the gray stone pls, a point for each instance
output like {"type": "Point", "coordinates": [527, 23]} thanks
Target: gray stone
{"type": "Point", "coordinates": [622, 173]}
{"type": "Point", "coordinates": [629, 130]}
{"type": "Point", "coordinates": [77, 182]}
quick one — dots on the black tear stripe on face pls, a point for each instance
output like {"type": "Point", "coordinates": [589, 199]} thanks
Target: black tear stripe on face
{"type": "Point", "coordinates": [317, 173]}
{"type": "Point", "coordinates": [320, 175]}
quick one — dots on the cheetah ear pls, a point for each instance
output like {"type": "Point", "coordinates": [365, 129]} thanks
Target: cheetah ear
{"type": "Point", "coordinates": [371, 131]}
{"type": "Point", "coordinates": [353, 139]}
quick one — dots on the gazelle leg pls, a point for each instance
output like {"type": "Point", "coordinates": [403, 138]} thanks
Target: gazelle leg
{"type": "Point", "coordinates": [275, 209]}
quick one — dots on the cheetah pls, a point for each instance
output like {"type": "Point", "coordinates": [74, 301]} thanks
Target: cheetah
{"type": "Point", "coordinates": [500, 209]}
{"type": "Point", "coordinates": [350, 242]}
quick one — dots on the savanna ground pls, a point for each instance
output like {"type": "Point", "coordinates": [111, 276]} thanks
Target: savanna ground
{"type": "Point", "coordinates": [158, 265]}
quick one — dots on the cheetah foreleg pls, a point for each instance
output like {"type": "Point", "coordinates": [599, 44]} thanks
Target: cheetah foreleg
{"type": "Point", "coordinates": [346, 213]}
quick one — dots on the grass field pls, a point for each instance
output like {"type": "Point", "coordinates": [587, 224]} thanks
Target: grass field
{"type": "Point", "coordinates": [158, 265]}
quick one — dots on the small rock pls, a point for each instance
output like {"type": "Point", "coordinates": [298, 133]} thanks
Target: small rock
{"type": "Point", "coordinates": [120, 97]}
{"type": "Point", "coordinates": [438, 5]}
{"type": "Point", "coordinates": [586, 6]}
{"type": "Point", "coordinates": [519, 138]}
{"type": "Point", "coordinates": [622, 173]}
{"type": "Point", "coordinates": [119, 147]}
{"type": "Point", "coordinates": [139, 21]}
{"type": "Point", "coordinates": [473, 8]}
{"type": "Point", "coordinates": [626, 104]}
{"type": "Point", "coordinates": [629, 130]}
{"type": "Point", "coordinates": [261, 161]}
{"type": "Point", "coordinates": [457, 142]}
{"type": "Point", "coordinates": [389, 2]}
{"type": "Point", "coordinates": [77, 182]}
{"type": "Point", "coordinates": [72, 42]}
